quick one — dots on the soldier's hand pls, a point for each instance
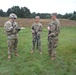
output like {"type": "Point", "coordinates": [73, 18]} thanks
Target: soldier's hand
{"type": "Point", "coordinates": [18, 28]}
{"type": "Point", "coordinates": [11, 28]}
{"type": "Point", "coordinates": [48, 28]}
{"type": "Point", "coordinates": [33, 32]}
{"type": "Point", "coordinates": [52, 35]}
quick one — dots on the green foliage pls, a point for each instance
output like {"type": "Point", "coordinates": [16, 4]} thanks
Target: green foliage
{"type": "Point", "coordinates": [24, 12]}
{"type": "Point", "coordinates": [33, 15]}
{"type": "Point", "coordinates": [73, 17]}
{"type": "Point", "coordinates": [42, 15]}
{"type": "Point", "coordinates": [2, 13]}
{"type": "Point", "coordinates": [14, 9]}
{"type": "Point", "coordinates": [36, 64]}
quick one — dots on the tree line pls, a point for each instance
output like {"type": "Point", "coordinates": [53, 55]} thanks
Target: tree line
{"type": "Point", "coordinates": [24, 12]}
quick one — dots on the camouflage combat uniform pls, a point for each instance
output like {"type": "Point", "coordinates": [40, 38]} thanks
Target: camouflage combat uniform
{"type": "Point", "coordinates": [53, 36]}
{"type": "Point", "coordinates": [37, 28]}
{"type": "Point", "coordinates": [11, 32]}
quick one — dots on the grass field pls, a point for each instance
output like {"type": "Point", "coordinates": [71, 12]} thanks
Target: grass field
{"type": "Point", "coordinates": [36, 64]}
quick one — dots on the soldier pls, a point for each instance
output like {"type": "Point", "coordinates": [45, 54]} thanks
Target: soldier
{"type": "Point", "coordinates": [36, 34]}
{"type": "Point", "coordinates": [11, 29]}
{"type": "Point", "coordinates": [53, 32]}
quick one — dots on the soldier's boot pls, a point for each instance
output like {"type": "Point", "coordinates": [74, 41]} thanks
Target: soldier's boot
{"type": "Point", "coordinates": [16, 54]}
{"type": "Point", "coordinates": [9, 56]}
{"type": "Point", "coordinates": [40, 53]}
{"type": "Point", "coordinates": [53, 58]}
{"type": "Point", "coordinates": [15, 51]}
{"type": "Point", "coordinates": [32, 51]}
{"type": "Point", "coordinates": [53, 55]}
{"type": "Point", "coordinates": [40, 49]}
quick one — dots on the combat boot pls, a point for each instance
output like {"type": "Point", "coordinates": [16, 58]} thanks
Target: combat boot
{"type": "Point", "coordinates": [40, 53]}
{"type": "Point", "coordinates": [16, 54]}
{"type": "Point", "coordinates": [9, 56]}
{"type": "Point", "coordinates": [53, 58]}
{"type": "Point", "coordinates": [32, 52]}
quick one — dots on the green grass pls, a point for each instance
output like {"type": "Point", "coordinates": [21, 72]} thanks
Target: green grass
{"type": "Point", "coordinates": [36, 64]}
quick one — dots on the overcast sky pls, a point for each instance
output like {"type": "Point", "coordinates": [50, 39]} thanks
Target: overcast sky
{"type": "Point", "coordinates": [41, 6]}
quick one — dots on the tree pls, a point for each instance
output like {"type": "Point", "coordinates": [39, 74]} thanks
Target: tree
{"type": "Point", "coordinates": [73, 16]}
{"type": "Point", "coordinates": [22, 12]}
{"type": "Point", "coordinates": [14, 9]}
{"type": "Point", "coordinates": [1, 13]}
{"type": "Point", "coordinates": [33, 15]}
{"type": "Point", "coordinates": [48, 16]}
{"type": "Point", "coordinates": [59, 16]}
{"type": "Point", "coordinates": [25, 12]}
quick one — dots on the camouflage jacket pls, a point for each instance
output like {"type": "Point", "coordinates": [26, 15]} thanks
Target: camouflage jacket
{"type": "Point", "coordinates": [37, 28]}
{"type": "Point", "coordinates": [10, 30]}
{"type": "Point", "coordinates": [54, 28]}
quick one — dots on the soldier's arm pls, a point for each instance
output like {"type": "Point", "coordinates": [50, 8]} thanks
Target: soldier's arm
{"type": "Point", "coordinates": [40, 30]}
{"type": "Point", "coordinates": [32, 28]}
{"type": "Point", "coordinates": [58, 29]}
{"type": "Point", "coordinates": [41, 27]}
{"type": "Point", "coordinates": [8, 27]}
{"type": "Point", "coordinates": [17, 27]}
{"type": "Point", "coordinates": [49, 27]}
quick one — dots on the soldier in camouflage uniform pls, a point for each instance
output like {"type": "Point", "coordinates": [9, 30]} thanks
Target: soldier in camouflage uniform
{"type": "Point", "coordinates": [11, 30]}
{"type": "Point", "coordinates": [36, 34]}
{"type": "Point", "coordinates": [53, 32]}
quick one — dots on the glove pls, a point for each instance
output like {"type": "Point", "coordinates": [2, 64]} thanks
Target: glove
{"type": "Point", "coordinates": [18, 28]}
{"type": "Point", "coordinates": [11, 27]}
{"type": "Point", "coordinates": [52, 35]}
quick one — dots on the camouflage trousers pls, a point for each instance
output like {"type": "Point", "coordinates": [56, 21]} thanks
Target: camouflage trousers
{"type": "Point", "coordinates": [52, 44]}
{"type": "Point", "coordinates": [36, 42]}
{"type": "Point", "coordinates": [12, 45]}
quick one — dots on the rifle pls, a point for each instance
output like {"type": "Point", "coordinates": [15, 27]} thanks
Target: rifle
{"type": "Point", "coordinates": [17, 28]}
{"type": "Point", "coordinates": [49, 34]}
{"type": "Point", "coordinates": [36, 39]}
